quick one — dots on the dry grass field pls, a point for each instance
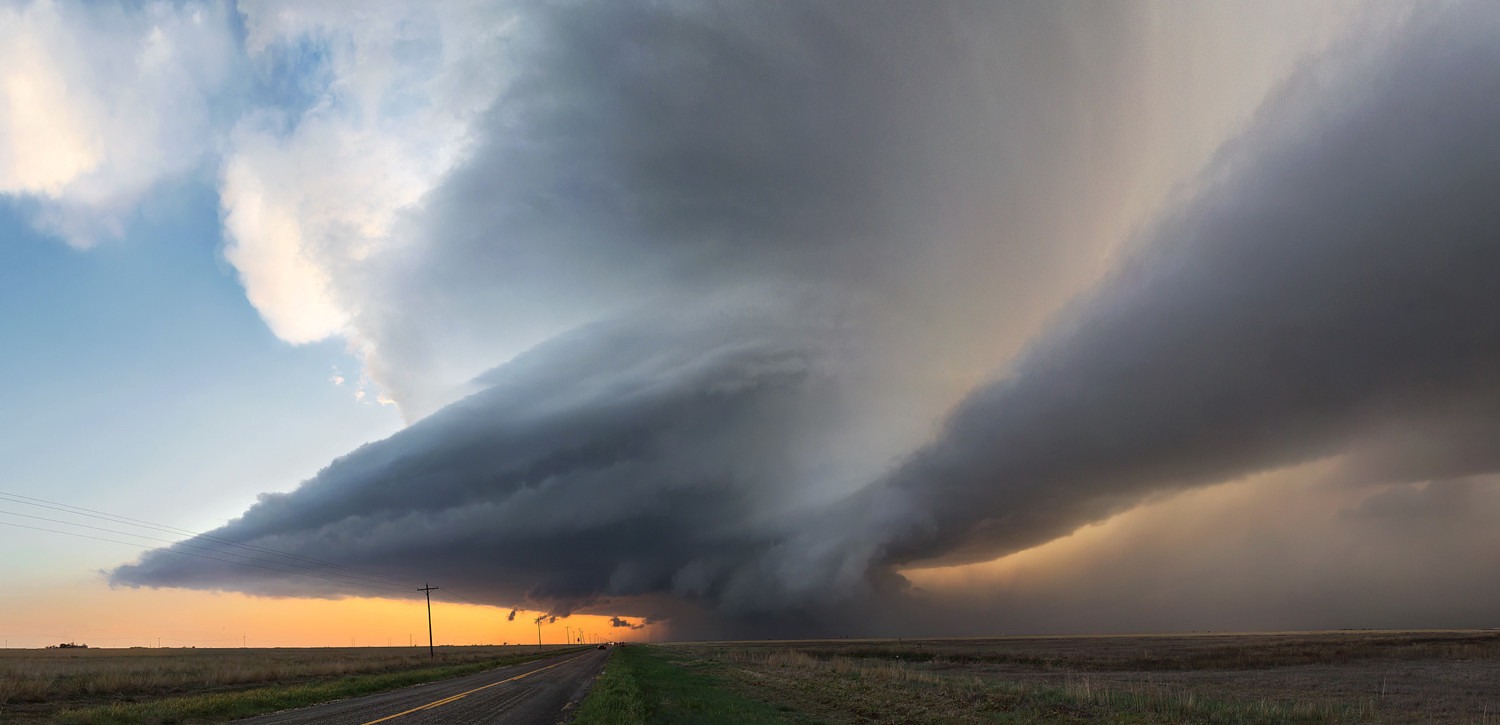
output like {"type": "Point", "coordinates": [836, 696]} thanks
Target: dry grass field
{"type": "Point", "coordinates": [1389, 677]}
{"type": "Point", "coordinates": [1394, 677]}
{"type": "Point", "coordinates": [40, 684]}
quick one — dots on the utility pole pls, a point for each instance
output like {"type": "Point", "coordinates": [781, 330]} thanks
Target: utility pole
{"type": "Point", "coordinates": [428, 589]}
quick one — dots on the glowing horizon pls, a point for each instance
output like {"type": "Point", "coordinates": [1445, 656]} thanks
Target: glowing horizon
{"type": "Point", "coordinates": [226, 620]}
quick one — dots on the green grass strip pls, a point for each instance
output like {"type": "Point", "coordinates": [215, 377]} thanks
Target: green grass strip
{"type": "Point", "coordinates": [221, 706]}
{"type": "Point", "coordinates": [615, 698]}
{"type": "Point", "coordinates": [645, 684]}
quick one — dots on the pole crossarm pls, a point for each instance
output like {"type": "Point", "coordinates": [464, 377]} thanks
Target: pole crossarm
{"type": "Point", "coordinates": [428, 589]}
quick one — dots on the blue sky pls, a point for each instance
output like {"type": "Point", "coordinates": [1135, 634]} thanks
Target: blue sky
{"type": "Point", "coordinates": [141, 382]}
{"type": "Point", "coordinates": [140, 378]}
{"type": "Point", "coordinates": [695, 313]}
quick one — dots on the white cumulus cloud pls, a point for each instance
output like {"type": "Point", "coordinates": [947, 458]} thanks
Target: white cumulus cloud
{"type": "Point", "coordinates": [100, 102]}
{"type": "Point", "coordinates": [309, 194]}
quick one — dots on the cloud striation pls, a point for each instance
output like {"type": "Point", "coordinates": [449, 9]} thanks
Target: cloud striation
{"type": "Point", "coordinates": [738, 208]}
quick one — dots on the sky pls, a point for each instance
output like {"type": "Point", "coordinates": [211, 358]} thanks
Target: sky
{"type": "Point", "coordinates": [702, 320]}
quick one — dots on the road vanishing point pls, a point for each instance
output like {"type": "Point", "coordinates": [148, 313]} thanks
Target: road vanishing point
{"type": "Point", "coordinates": [532, 692]}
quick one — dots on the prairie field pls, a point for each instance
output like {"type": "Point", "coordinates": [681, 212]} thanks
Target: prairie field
{"type": "Point", "coordinates": [1345, 676]}
{"type": "Point", "coordinates": [1364, 676]}
{"type": "Point", "coordinates": [44, 684]}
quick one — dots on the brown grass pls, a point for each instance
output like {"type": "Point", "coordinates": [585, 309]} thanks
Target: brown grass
{"type": "Point", "coordinates": [36, 682]}
{"type": "Point", "coordinates": [1175, 652]}
{"type": "Point", "coordinates": [1437, 677]}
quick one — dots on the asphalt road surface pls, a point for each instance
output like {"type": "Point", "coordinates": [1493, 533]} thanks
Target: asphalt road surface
{"type": "Point", "coordinates": [535, 692]}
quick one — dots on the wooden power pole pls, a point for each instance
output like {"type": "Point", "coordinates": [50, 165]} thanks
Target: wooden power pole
{"type": "Point", "coordinates": [428, 589]}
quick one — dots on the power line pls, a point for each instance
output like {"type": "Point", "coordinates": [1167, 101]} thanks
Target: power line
{"type": "Point", "coordinates": [86, 536]}
{"type": "Point", "coordinates": [332, 572]}
{"type": "Point", "coordinates": [259, 564]}
{"type": "Point", "coordinates": [385, 579]}
{"type": "Point", "coordinates": [92, 513]}
{"type": "Point", "coordinates": [197, 556]}
{"type": "Point", "coordinates": [428, 589]}
{"type": "Point", "coordinates": [188, 553]}
{"type": "Point", "coordinates": [292, 564]}
{"type": "Point", "coordinates": [451, 593]}
{"type": "Point", "coordinates": [263, 564]}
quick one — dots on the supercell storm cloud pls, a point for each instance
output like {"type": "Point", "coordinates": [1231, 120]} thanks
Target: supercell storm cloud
{"type": "Point", "coordinates": [759, 276]}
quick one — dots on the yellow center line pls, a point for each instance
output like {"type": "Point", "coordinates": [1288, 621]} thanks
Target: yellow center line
{"type": "Point", "coordinates": [460, 695]}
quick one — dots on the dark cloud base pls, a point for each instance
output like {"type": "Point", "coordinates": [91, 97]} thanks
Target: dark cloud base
{"type": "Point", "coordinates": [1326, 288]}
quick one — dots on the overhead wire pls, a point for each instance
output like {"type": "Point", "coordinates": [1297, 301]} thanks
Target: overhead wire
{"type": "Point", "coordinates": [295, 564]}
{"type": "Point", "coordinates": [139, 545]}
{"type": "Point", "coordinates": [327, 571]}
{"type": "Point", "coordinates": [262, 564]}
{"type": "Point", "coordinates": [92, 513]}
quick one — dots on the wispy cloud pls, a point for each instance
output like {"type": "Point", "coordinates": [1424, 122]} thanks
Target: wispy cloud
{"type": "Point", "coordinates": [101, 102]}
{"type": "Point", "coordinates": [311, 193]}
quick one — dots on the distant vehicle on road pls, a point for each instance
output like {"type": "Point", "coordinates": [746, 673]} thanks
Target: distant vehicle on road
{"type": "Point", "coordinates": [600, 647]}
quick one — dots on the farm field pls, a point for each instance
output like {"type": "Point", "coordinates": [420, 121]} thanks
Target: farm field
{"type": "Point", "coordinates": [127, 685]}
{"type": "Point", "coordinates": [1377, 676]}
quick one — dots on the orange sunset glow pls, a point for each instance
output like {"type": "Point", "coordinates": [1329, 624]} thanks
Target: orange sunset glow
{"type": "Point", "coordinates": [148, 618]}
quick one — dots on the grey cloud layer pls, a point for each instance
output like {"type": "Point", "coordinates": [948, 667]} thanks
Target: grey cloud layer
{"type": "Point", "coordinates": [855, 156]}
{"type": "Point", "coordinates": [735, 208]}
{"type": "Point", "coordinates": [1334, 272]}
{"type": "Point", "coordinates": [516, 491]}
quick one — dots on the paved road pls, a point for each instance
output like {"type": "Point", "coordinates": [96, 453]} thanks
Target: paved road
{"type": "Point", "coordinates": [534, 692]}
